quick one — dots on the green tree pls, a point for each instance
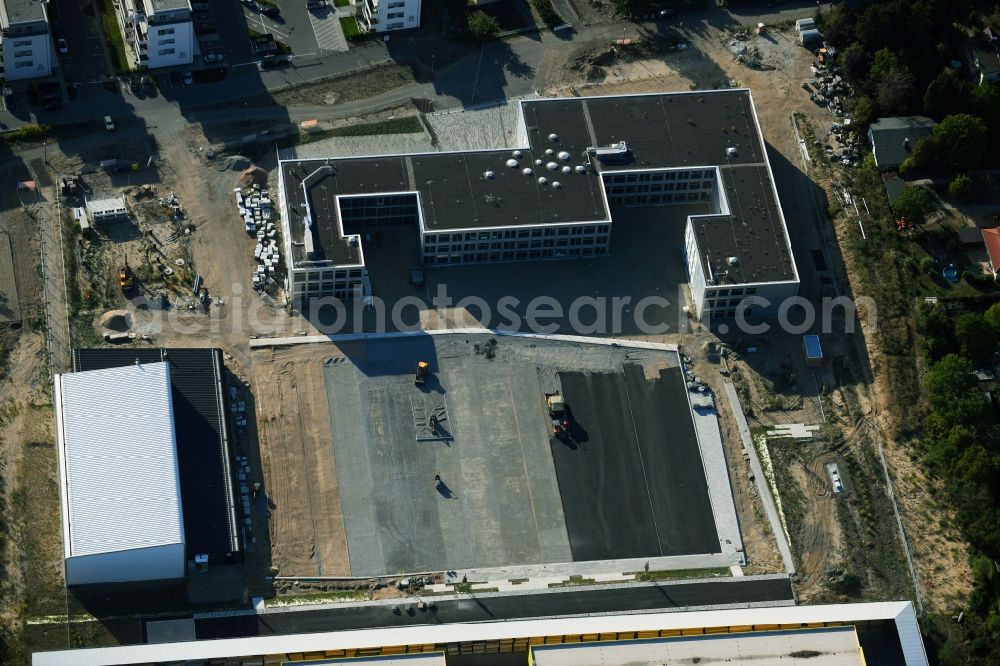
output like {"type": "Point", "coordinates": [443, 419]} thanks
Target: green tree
{"type": "Point", "coordinates": [924, 155]}
{"type": "Point", "coordinates": [976, 338]}
{"type": "Point", "coordinates": [992, 316]}
{"type": "Point", "coordinates": [483, 28]}
{"type": "Point", "coordinates": [961, 140]}
{"type": "Point", "coordinates": [856, 62]}
{"type": "Point", "coordinates": [953, 394]}
{"type": "Point", "coordinates": [914, 203]}
{"type": "Point", "coordinates": [961, 187]}
{"type": "Point", "coordinates": [891, 83]}
{"type": "Point", "coordinates": [936, 323]}
{"type": "Point", "coordinates": [945, 95]}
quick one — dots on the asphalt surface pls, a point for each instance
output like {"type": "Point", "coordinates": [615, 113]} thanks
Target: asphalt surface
{"type": "Point", "coordinates": [632, 481]}
{"type": "Point", "coordinates": [473, 609]}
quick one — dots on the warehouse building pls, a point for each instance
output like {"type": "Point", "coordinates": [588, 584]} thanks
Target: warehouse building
{"type": "Point", "coordinates": [554, 198]}
{"type": "Point", "coordinates": [884, 633]}
{"type": "Point", "coordinates": [204, 449]}
{"type": "Point", "coordinates": [129, 517]}
{"type": "Point", "coordinates": [118, 475]}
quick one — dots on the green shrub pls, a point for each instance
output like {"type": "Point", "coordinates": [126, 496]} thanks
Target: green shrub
{"type": "Point", "coordinates": [547, 12]}
{"type": "Point", "coordinates": [961, 187]}
{"type": "Point", "coordinates": [482, 27]}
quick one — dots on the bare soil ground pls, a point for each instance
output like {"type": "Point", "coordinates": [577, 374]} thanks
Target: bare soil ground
{"type": "Point", "coordinates": [307, 532]}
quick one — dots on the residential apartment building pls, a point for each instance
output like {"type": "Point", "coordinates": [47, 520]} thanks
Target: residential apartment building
{"type": "Point", "coordinates": [389, 15]}
{"type": "Point", "coordinates": [158, 33]}
{"type": "Point", "coordinates": [26, 43]}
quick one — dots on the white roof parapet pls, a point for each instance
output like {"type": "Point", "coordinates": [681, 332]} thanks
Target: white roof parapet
{"type": "Point", "coordinates": [118, 466]}
{"type": "Point", "coordinates": [899, 611]}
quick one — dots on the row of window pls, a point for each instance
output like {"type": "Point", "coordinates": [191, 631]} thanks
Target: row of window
{"type": "Point", "coordinates": [735, 291]}
{"type": "Point", "coordinates": [164, 52]}
{"type": "Point", "coordinates": [521, 255]}
{"type": "Point", "coordinates": [21, 54]}
{"type": "Point", "coordinates": [660, 176]}
{"type": "Point", "coordinates": [317, 276]}
{"type": "Point", "coordinates": [536, 232]}
{"type": "Point", "coordinates": [517, 245]}
{"type": "Point", "coordinates": [659, 187]}
{"type": "Point", "coordinates": [657, 199]}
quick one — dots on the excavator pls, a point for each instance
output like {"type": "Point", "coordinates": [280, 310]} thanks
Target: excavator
{"type": "Point", "coordinates": [422, 370]}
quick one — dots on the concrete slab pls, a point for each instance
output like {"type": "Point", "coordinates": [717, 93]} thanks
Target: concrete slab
{"type": "Point", "coordinates": [632, 481]}
{"type": "Point", "coordinates": [503, 511]}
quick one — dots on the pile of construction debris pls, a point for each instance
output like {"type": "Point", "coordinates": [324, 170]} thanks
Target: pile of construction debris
{"type": "Point", "coordinates": [828, 88]}
{"type": "Point", "coordinates": [255, 206]}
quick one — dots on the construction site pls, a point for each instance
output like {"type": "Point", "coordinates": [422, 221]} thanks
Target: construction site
{"type": "Point", "coordinates": [489, 457]}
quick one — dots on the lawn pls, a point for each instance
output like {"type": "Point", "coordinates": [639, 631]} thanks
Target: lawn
{"type": "Point", "coordinates": [342, 3]}
{"type": "Point", "coordinates": [113, 36]}
{"type": "Point", "coordinates": [351, 28]}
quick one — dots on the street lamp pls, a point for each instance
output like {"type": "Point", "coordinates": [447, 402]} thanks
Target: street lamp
{"type": "Point", "coordinates": [45, 151]}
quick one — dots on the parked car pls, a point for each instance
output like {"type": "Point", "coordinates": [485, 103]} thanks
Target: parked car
{"type": "Point", "coordinates": [108, 123]}
{"type": "Point", "coordinates": [62, 46]}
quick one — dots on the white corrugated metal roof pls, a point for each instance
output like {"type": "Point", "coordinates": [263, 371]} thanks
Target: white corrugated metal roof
{"type": "Point", "coordinates": [900, 611]}
{"type": "Point", "coordinates": [118, 460]}
{"type": "Point", "coordinates": [834, 646]}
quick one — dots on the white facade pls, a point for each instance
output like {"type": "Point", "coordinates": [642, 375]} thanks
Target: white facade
{"type": "Point", "coordinates": [26, 42]}
{"type": "Point", "coordinates": [158, 33]}
{"type": "Point", "coordinates": [389, 15]}
{"type": "Point", "coordinates": [101, 210]}
{"type": "Point", "coordinates": [118, 475]}
{"type": "Point", "coordinates": [899, 613]}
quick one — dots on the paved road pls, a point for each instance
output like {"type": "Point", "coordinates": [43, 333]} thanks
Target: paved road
{"type": "Point", "coordinates": [480, 609]}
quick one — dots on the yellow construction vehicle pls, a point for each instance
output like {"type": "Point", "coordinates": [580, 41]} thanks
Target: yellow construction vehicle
{"type": "Point", "coordinates": [422, 368]}
{"type": "Point", "coordinates": [125, 277]}
{"type": "Point", "coordinates": [559, 414]}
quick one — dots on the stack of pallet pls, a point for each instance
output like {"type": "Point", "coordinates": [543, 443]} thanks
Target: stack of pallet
{"type": "Point", "coordinates": [267, 253]}
{"type": "Point", "coordinates": [255, 207]}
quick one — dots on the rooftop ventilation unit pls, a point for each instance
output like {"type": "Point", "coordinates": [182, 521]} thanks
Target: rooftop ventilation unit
{"type": "Point", "coordinates": [567, 169]}
{"type": "Point", "coordinates": [581, 168]}
{"type": "Point", "coordinates": [564, 156]}
{"type": "Point", "coordinates": [538, 163]}
{"type": "Point", "coordinates": [556, 184]}
{"type": "Point", "coordinates": [517, 154]}
{"type": "Point", "coordinates": [732, 261]}
{"type": "Point", "coordinates": [489, 174]}
{"type": "Point", "coordinates": [550, 152]}
{"type": "Point", "coordinates": [731, 151]}
{"type": "Point", "coordinates": [527, 171]}
{"type": "Point", "coordinates": [512, 164]}
{"type": "Point", "coordinates": [616, 152]}
{"type": "Point", "coordinates": [551, 166]}
{"type": "Point", "coordinates": [553, 137]}
{"type": "Point", "coordinates": [543, 181]}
